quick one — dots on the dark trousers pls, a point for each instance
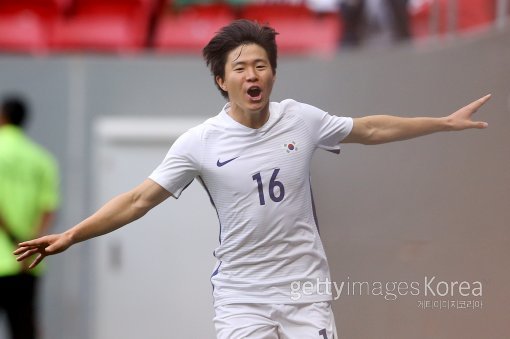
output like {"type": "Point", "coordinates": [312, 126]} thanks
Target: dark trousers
{"type": "Point", "coordinates": [17, 298]}
{"type": "Point", "coordinates": [353, 17]}
{"type": "Point", "coordinates": [401, 24]}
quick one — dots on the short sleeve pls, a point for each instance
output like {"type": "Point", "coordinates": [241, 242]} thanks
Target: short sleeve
{"type": "Point", "coordinates": [328, 130]}
{"type": "Point", "coordinates": [181, 164]}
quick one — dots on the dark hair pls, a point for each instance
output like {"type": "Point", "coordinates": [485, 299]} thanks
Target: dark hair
{"type": "Point", "coordinates": [237, 33]}
{"type": "Point", "coordinates": [14, 110]}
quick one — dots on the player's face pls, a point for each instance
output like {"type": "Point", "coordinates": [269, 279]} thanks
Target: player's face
{"type": "Point", "coordinates": [248, 80]}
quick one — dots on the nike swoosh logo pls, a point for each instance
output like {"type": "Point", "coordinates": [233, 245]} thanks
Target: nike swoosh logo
{"type": "Point", "coordinates": [219, 163]}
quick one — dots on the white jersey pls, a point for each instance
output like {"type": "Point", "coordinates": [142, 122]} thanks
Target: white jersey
{"type": "Point", "coordinates": [259, 182]}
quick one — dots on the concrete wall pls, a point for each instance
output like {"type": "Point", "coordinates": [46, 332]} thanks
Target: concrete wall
{"type": "Point", "coordinates": [433, 207]}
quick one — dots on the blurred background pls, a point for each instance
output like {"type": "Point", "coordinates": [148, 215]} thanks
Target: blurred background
{"type": "Point", "coordinates": [113, 82]}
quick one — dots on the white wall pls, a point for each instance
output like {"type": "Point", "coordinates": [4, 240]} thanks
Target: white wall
{"type": "Point", "coordinates": [151, 279]}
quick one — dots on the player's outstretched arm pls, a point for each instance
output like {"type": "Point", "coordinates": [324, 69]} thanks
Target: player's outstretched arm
{"type": "Point", "coordinates": [119, 211]}
{"type": "Point", "coordinates": [379, 129]}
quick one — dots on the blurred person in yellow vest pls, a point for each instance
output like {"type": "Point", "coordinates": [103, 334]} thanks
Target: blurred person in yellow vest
{"type": "Point", "coordinates": [28, 200]}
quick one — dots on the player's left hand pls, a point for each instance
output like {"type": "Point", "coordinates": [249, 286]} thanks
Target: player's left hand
{"type": "Point", "coordinates": [462, 119]}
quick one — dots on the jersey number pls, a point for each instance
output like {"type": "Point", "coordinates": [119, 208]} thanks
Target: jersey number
{"type": "Point", "coordinates": [273, 183]}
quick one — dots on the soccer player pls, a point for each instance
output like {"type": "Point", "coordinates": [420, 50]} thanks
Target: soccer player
{"type": "Point", "coordinates": [253, 159]}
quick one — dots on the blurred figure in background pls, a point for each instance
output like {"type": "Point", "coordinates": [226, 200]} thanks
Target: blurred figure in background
{"type": "Point", "coordinates": [28, 200]}
{"type": "Point", "coordinates": [352, 19]}
{"type": "Point", "coordinates": [373, 21]}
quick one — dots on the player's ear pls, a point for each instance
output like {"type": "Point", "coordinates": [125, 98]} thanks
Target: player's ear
{"type": "Point", "coordinates": [221, 83]}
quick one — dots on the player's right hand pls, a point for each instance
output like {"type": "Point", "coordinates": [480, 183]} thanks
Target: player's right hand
{"type": "Point", "coordinates": [44, 246]}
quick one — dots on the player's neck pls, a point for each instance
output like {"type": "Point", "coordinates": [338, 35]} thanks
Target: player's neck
{"type": "Point", "coordinates": [251, 119]}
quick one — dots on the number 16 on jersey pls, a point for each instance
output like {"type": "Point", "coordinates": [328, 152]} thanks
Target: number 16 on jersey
{"type": "Point", "coordinates": [276, 190]}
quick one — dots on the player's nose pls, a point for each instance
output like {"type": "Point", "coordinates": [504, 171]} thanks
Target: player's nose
{"type": "Point", "coordinates": [251, 75]}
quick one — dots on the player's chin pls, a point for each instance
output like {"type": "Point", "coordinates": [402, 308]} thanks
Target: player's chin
{"type": "Point", "coordinates": [257, 107]}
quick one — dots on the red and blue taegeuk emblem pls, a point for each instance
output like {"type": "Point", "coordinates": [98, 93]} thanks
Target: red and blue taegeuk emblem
{"type": "Point", "coordinates": [291, 147]}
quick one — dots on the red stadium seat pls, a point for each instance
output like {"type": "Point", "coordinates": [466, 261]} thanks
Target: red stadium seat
{"type": "Point", "coordinates": [25, 25]}
{"type": "Point", "coordinates": [209, 10]}
{"type": "Point", "coordinates": [306, 36]}
{"type": "Point", "coordinates": [23, 32]}
{"type": "Point", "coordinates": [190, 30]}
{"type": "Point", "coordinates": [300, 30]}
{"type": "Point", "coordinates": [475, 13]}
{"type": "Point", "coordinates": [41, 7]}
{"type": "Point", "coordinates": [266, 12]}
{"type": "Point", "coordinates": [105, 26]}
{"type": "Point", "coordinates": [93, 7]}
{"type": "Point", "coordinates": [98, 33]}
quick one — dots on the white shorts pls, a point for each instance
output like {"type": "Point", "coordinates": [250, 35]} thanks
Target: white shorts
{"type": "Point", "coordinates": [275, 321]}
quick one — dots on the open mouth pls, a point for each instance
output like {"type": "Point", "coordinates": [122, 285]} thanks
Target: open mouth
{"type": "Point", "coordinates": [254, 92]}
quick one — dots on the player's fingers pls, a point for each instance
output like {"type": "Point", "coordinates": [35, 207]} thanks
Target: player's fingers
{"type": "Point", "coordinates": [37, 260]}
{"type": "Point", "coordinates": [485, 98]}
{"type": "Point", "coordinates": [23, 249]}
{"type": "Point", "coordinates": [34, 243]}
{"type": "Point", "coordinates": [27, 254]}
{"type": "Point", "coordinates": [478, 103]}
{"type": "Point", "coordinates": [20, 250]}
{"type": "Point", "coordinates": [480, 124]}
